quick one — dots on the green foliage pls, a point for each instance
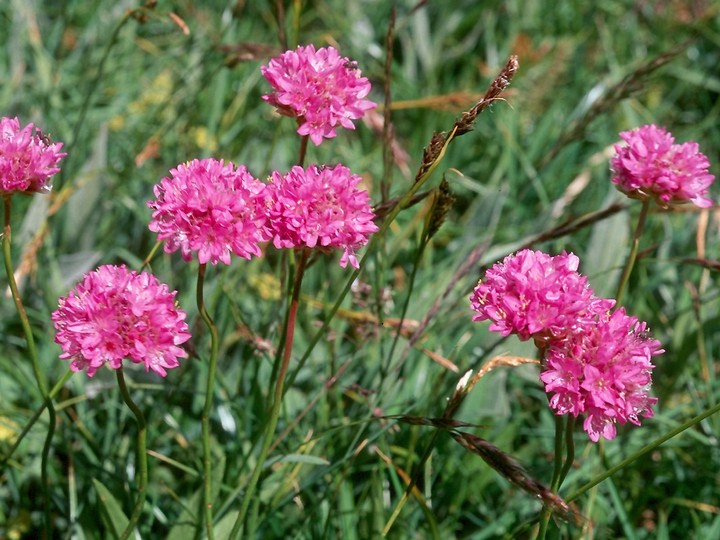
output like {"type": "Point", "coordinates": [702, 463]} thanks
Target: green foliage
{"type": "Point", "coordinates": [133, 97]}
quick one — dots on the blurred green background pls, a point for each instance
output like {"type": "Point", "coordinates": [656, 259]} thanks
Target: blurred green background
{"type": "Point", "coordinates": [133, 96]}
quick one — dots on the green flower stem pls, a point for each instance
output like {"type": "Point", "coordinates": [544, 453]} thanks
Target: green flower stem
{"type": "Point", "coordinates": [558, 461]}
{"type": "Point", "coordinates": [375, 241]}
{"type": "Point", "coordinates": [544, 522]}
{"type": "Point", "coordinates": [277, 399]}
{"type": "Point", "coordinates": [48, 400]}
{"type": "Point", "coordinates": [288, 262]}
{"type": "Point", "coordinates": [644, 450]}
{"type": "Point", "coordinates": [630, 262]}
{"type": "Point", "coordinates": [32, 350]}
{"type": "Point", "coordinates": [569, 450]}
{"type": "Point", "coordinates": [424, 239]}
{"type": "Point", "coordinates": [142, 454]}
{"type": "Point", "coordinates": [557, 473]}
{"type": "Point", "coordinates": [207, 456]}
{"type": "Point", "coordinates": [303, 150]}
{"type": "Point", "coordinates": [413, 482]}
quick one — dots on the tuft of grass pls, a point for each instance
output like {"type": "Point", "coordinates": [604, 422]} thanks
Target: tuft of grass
{"type": "Point", "coordinates": [132, 95]}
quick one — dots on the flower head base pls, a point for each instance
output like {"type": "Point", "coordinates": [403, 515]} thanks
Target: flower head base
{"type": "Point", "coordinates": [116, 313]}
{"type": "Point", "coordinates": [604, 372]}
{"type": "Point", "coordinates": [320, 88]}
{"type": "Point", "coordinates": [320, 207]}
{"type": "Point", "coordinates": [210, 207]}
{"type": "Point", "coordinates": [651, 166]}
{"type": "Point", "coordinates": [27, 159]}
{"type": "Point", "coordinates": [533, 294]}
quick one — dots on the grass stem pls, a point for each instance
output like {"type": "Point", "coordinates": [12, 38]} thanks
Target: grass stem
{"type": "Point", "coordinates": [32, 350]}
{"type": "Point", "coordinates": [141, 454]}
{"type": "Point", "coordinates": [207, 409]}
{"type": "Point", "coordinates": [276, 403]}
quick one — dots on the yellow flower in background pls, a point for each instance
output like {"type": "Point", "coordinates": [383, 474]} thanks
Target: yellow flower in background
{"type": "Point", "coordinates": [9, 430]}
{"type": "Point", "coordinates": [202, 137]}
{"type": "Point", "coordinates": [266, 285]}
{"type": "Point", "coordinates": [155, 93]}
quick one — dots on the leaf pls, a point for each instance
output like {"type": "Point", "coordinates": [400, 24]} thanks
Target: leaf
{"type": "Point", "coordinates": [607, 251]}
{"type": "Point", "coordinates": [303, 458]}
{"type": "Point", "coordinates": [113, 516]}
{"type": "Point", "coordinates": [224, 527]}
{"type": "Point", "coordinates": [191, 517]}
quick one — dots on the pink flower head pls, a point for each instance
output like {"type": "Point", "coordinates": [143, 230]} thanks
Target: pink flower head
{"type": "Point", "coordinates": [320, 207]}
{"type": "Point", "coordinates": [319, 88]}
{"type": "Point", "coordinates": [116, 313]}
{"type": "Point", "coordinates": [210, 207]}
{"type": "Point", "coordinates": [533, 294]}
{"type": "Point", "coordinates": [603, 371]}
{"type": "Point", "coordinates": [652, 166]}
{"type": "Point", "coordinates": [27, 159]}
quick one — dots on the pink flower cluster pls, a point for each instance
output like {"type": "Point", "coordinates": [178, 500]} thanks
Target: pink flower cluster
{"type": "Point", "coordinates": [217, 209]}
{"type": "Point", "coordinates": [594, 363]}
{"type": "Point", "coordinates": [213, 208]}
{"type": "Point", "coordinates": [651, 166]}
{"type": "Point", "coordinates": [115, 313]}
{"type": "Point", "coordinates": [532, 294]}
{"type": "Point", "coordinates": [27, 159]}
{"type": "Point", "coordinates": [320, 88]}
{"type": "Point", "coordinates": [604, 372]}
{"type": "Point", "coordinates": [210, 207]}
{"type": "Point", "coordinates": [320, 206]}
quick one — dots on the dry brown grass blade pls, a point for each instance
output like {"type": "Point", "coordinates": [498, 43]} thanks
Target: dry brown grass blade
{"type": "Point", "coordinates": [446, 102]}
{"type": "Point", "coordinates": [568, 228]}
{"type": "Point", "coordinates": [402, 474]}
{"type": "Point", "coordinates": [440, 359]}
{"type": "Point", "coordinates": [466, 384]}
{"type": "Point", "coordinates": [497, 361]}
{"type": "Point", "coordinates": [514, 473]}
{"type": "Point", "coordinates": [247, 52]}
{"type": "Point", "coordinates": [439, 423]}
{"type": "Point", "coordinates": [704, 263]}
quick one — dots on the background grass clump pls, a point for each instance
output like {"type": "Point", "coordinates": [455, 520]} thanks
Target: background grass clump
{"type": "Point", "coordinates": [133, 96]}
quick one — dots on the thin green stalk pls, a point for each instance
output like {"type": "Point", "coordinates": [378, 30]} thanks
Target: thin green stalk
{"type": "Point", "coordinates": [544, 522]}
{"type": "Point", "coordinates": [32, 350]}
{"type": "Point", "coordinates": [413, 482]}
{"type": "Point", "coordinates": [569, 451]}
{"type": "Point", "coordinates": [288, 262]}
{"type": "Point", "coordinates": [207, 409]}
{"type": "Point", "coordinates": [142, 455]}
{"type": "Point", "coordinates": [411, 285]}
{"type": "Point", "coordinates": [277, 401]}
{"type": "Point", "coordinates": [630, 262]}
{"type": "Point", "coordinates": [303, 150]}
{"type": "Point", "coordinates": [26, 429]}
{"type": "Point", "coordinates": [644, 450]}
{"type": "Point", "coordinates": [557, 472]}
{"type": "Point", "coordinates": [375, 240]}
{"type": "Point", "coordinates": [558, 461]}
